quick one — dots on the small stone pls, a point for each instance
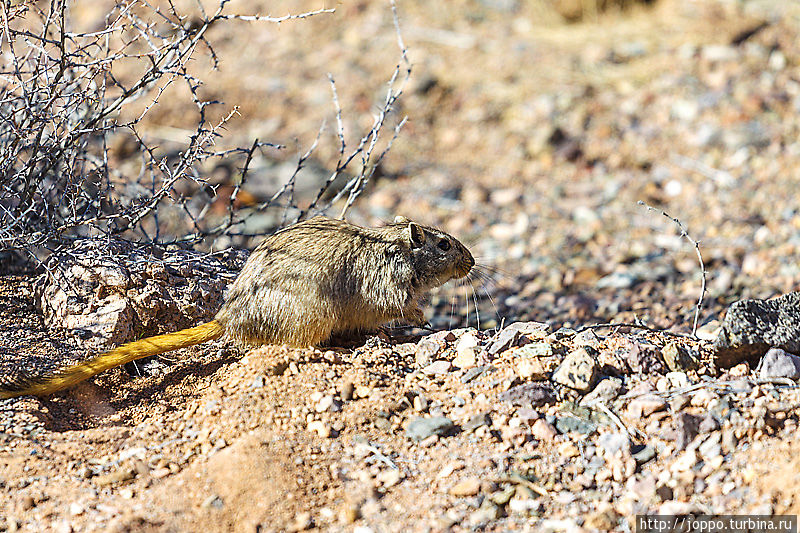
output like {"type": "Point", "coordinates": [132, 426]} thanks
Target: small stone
{"type": "Point", "coordinates": [578, 371]}
{"type": "Point", "coordinates": [677, 358]}
{"type": "Point", "coordinates": [587, 338]}
{"type": "Point", "coordinates": [437, 368]}
{"type": "Point", "coordinates": [389, 478]}
{"type": "Point", "coordinates": [543, 430]}
{"type": "Point", "coordinates": [507, 337]}
{"type": "Point", "coordinates": [346, 390]}
{"type": "Point", "coordinates": [421, 403]}
{"type": "Point", "coordinates": [677, 380]}
{"type": "Point", "coordinates": [76, 509]}
{"type": "Point", "coordinates": [605, 391]}
{"type": "Point", "coordinates": [536, 369]}
{"type": "Point", "coordinates": [118, 476]}
{"type": "Point", "coordinates": [535, 349]}
{"type": "Point", "coordinates": [302, 522]}
{"type": "Point", "coordinates": [703, 398]}
{"type": "Point", "coordinates": [686, 427]}
{"type": "Point", "coordinates": [427, 349]}
{"type": "Point", "coordinates": [568, 424]}
{"type": "Point", "coordinates": [328, 403]}
{"type": "Point", "coordinates": [321, 428]}
{"type": "Point", "coordinates": [646, 405]}
{"type": "Point", "coordinates": [467, 487]}
{"type": "Point", "coordinates": [684, 462]}
{"type": "Point", "coordinates": [422, 428]}
{"type": "Point", "coordinates": [473, 373]}
{"type": "Point", "coordinates": [711, 447]}
{"type": "Point", "coordinates": [362, 391]}
{"type": "Point", "coordinates": [778, 363]}
{"type": "Point", "coordinates": [529, 394]}
{"type": "Point", "coordinates": [643, 455]}
{"type": "Point", "coordinates": [568, 449]}
{"type": "Point", "coordinates": [708, 424]}
{"type": "Point", "coordinates": [477, 421]}
{"type": "Point", "coordinates": [487, 512]}
{"type": "Point", "coordinates": [614, 442]}
{"type": "Point", "coordinates": [466, 358]}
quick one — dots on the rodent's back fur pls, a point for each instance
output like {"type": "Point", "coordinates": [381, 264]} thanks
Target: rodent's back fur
{"type": "Point", "coordinates": [302, 285]}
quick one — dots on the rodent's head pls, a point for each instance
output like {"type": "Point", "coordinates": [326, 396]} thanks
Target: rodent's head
{"type": "Point", "coordinates": [436, 256]}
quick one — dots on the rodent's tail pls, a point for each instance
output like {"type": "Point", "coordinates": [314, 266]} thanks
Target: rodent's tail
{"type": "Point", "coordinates": [126, 353]}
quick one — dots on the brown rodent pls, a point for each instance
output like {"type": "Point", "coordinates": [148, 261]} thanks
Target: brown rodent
{"type": "Point", "coordinates": [301, 285]}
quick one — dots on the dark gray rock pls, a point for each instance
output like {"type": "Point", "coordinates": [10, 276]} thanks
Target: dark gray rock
{"type": "Point", "coordinates": [530, 394]}
{"type": "Point", "coordinates": [751, 327]}
{"type": "Point", "coordinates": [422, 428]}
{"type": "Point", "coordinates": [778, 363]}
{"type": "Point", "coordinates": [686, 428]}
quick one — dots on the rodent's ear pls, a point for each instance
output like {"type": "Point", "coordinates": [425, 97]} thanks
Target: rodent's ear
{"type": "Point", "coordinates": [416, 235]}
{"type": "Point", "coordinates": [399, 219]}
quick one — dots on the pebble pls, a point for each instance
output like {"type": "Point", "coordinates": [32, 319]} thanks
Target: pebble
{"type": "Point", "coordinates": [778, 363]}
{"type": "Point", "coordinates": [529, 394]}
{"type": "Point", "coordinates": [422, 428]}
{"type": "Point", "coordinates": [437, 367]}
{"type": "Point", "coordinates": [578, 371]}
{"type": "Point", "coordinates": [321, 428]}
{"type": "Point", "coordinates": [677, 358]}
{"type": "Point", "coordinates": [543, 430]}
{"type": "Point", "coordinates": [605, 391]}
{"type": "Point", "coordinates": [646, 405]}
{"type": "Point", "coordinates": [615, 442]}
{"type": "Point", "coordinates": [467, 487]}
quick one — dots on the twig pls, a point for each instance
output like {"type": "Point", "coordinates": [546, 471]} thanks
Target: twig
{"type": "Point", "coordinates": [696, 245]}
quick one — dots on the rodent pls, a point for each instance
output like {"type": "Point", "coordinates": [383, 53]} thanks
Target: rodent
{"type": "Point", "coordinates": [299, 287]}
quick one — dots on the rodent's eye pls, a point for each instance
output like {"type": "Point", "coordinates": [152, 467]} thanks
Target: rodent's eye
{"type": "Point", "coordinates": [444, 245]}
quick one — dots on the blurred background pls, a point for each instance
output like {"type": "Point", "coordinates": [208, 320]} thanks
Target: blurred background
{"type": "Point", "coordinates": [533, 130]}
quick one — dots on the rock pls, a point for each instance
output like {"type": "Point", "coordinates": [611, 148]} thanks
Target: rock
{"type": "Point", "coordinates": [467, 487]}
{"type": "Point", "coordinates": [437, 367]}
{"type": "Point", "coordinates": [643, 454]}
{"type": "Point", "coordinates": [567, 424]}
{"type": "Point", "coordinates": [708, 424]}
{"type": "Point", "coordinates": [778, 363]}
{"type": "Point", "coordinates": [422, 428]}
{"type": "Point", "coordinates": [487, 512]}
{"type": "Point", "coordinates": [751, 327]}
{"type": "Point", "coordinates": [427, 349]}
{"type": "Point", "coordinates": [614, 442]}
{"type": "Point", "coordinates": [473, 373]}
{"type": "Point", "coordinates": [536, 369]}
{"type": "Point", "coordinates": [605, 391]}
{"type": "Point", "coordinates": [482, 419]}
{"type": "Point", "coordinates": [677, 358]}
{"type": "Point", "coordinates": [321, 428]}
{"type": "Point", "coordinates": [543, 430]}
{"type": "Point", "coordinates": [508, 336]}
{"type": "Point", "coordinates": [466, 358]}
{"type": "Point", "coordinates": [578, 370]}
{"type": "Point", "coordinates": [686, 428]}
{"type": "Point", "coordinates": [535, 350]}
{"type": "Point", "coordinates": [587, 338]}
{"type": "Point", "coordinates": [646, 405]}
{"type": "Point", "coordinates": [711, 447]}
{"type": "Point", "coordinates": [115, 291]}
{"type": "Point", "coordinates": [529, 394]}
